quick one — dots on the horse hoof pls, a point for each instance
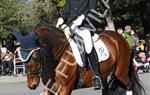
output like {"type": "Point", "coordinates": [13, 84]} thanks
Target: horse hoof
{"type": "Point", "coordinates": [97, 87]}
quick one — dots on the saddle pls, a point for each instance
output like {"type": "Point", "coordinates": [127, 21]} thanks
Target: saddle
{"type": "Point", "coordinates": [78, 49]}
{"type": "Point", "coordinates": [80, 44]}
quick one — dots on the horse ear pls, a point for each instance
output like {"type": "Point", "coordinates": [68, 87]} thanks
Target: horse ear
{"type": "Point", "coordinates": [16, 34]}
{"type": "Point", "coordinates": [35, 37]}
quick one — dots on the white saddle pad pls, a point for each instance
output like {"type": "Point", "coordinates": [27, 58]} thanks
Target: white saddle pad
{"type": "Point", "coordinates": [100, 47]}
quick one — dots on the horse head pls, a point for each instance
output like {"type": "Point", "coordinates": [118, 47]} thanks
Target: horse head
{"type": "Point", "coordinates": [37, 51]}
{"type": "Point", "coordinates": [29, 53]}
{"type": "Point", "coordinates": [33, 70]}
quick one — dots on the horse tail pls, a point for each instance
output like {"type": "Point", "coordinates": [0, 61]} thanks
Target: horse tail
{"type": "Point", "coordinates": [118, 88]}
{"type": "Point", "coordinates": [137, 84]}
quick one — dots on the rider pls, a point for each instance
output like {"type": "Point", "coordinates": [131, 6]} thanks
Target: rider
{"type": "Point", "coordinates": [75, 12]}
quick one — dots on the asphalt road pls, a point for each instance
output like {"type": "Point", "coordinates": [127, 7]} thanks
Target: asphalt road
{"type": "Point", "coordinates": [20, 88]}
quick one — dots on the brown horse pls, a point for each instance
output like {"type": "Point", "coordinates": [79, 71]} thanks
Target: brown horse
{"type": "Point", "coordinates": [54, 62]}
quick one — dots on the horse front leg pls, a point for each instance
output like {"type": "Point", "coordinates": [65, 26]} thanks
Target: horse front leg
{"type": "Point", "coordinates": [45, 92]}
{"type": "Point", "coordinates": [64, 91]}
{"type": "Point", "coordinates": [61, 86]}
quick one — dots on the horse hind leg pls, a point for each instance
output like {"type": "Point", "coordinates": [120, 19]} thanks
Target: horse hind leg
{"type": "Point", "coordinates": [123, 77]}
{"type": "Point", "coordinates": [122, 73]}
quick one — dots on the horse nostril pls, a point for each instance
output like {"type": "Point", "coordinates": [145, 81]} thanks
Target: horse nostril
{"type": "Point", "coordinates": [33, 87]}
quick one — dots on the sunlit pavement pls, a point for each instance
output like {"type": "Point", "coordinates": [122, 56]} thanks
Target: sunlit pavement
{"type": "Point", "coordinates": [12, 87]}
{"type": "Point", "coordinates": [12, 79]}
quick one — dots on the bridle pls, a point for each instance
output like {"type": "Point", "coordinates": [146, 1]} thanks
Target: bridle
{"type": "Point", "coordinates": [42, 60]}
{"type": "Point", "coordinates": [42, 56]}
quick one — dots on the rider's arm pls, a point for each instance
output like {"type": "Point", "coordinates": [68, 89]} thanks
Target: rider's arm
{"type": "Point", "coordinates": [92, 4]}
{"type": "Point", "coordinates": [66, 10]}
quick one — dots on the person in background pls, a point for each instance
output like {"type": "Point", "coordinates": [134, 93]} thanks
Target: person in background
{"type": "Point", "coordinates": [7, 61]}
{"type": "Point", "coordinates": [120, 31]}
{"type": "Point", "coordinates": [107, 28]}
{"type": "Point", "coordinates": [126, 34]}
{"type": "Point", "coordinates": [9, 43]}
{"type": "Point", "coordinates": [140, 62]}
{"type": "Point", "coordinates": [134, 42]}
{"type": "Point", "coordinates": [140, 46]}
{"type": "Point", "coordinates": [147, 42]}
{"type": "Point", "coordinates": [135, 38]}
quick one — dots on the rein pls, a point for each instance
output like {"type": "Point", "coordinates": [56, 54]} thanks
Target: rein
{"type": "Point", "coordinates": [61, 49]}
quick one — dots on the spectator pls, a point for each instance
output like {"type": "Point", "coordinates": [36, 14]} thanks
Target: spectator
{"type": "Point", "coordinates": [147, 42]}
{"type": "Point", "coordinates": [140, 46]}
{"type": "Point", "coordinates": [126, 34]}
{"type": "Point", "coordinates": [120, 30]}
{"type": "Point", "coordinates": [7, 61]}
{"type": "Point", "coordinates": [107, 28]}
{"type": "Point", "coordinates": [134, 40]}
{"type": "Point", "coordinates": [140, 62]}
{"type": "Point", "coordinates": [9, 43]}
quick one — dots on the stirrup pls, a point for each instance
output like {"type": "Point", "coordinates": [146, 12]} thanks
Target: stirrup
{"type": "Point", "coordinates": [97, 83]}
{"type": "Point", "coordinates": [80, 83]}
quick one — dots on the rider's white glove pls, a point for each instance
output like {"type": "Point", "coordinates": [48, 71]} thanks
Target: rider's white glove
{"type": "Point", "coordinates": [77, 22]}
{"type": "Point", "coordinates": [73, 26]}
{"type": "Point", "coordinates": [59, 22]}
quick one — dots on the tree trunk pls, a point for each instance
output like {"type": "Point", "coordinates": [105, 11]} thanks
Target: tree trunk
{"type": "Point", "coordinates": [110, 22]}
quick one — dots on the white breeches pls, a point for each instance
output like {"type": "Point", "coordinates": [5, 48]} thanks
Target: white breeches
{"type": "Point", "coordinates": [86, 36]}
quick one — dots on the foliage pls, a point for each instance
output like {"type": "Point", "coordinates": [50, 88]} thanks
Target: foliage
{"type": "Point", "coordinates": [8, 12]}
{"type": "Point", "coordinates": [133, 12]}
{"type": "Point", "coordinates": [25, 14]}
{"type": "Point", "coordinates": [59, 5]}
{"type": "Point", "coordinates": [45, 10]}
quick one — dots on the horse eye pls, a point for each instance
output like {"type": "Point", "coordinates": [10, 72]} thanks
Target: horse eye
{"type": "Point", "coordinates": [36, 59]}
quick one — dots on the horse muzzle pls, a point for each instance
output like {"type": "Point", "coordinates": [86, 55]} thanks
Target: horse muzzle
{"type": "Point", "coordinates": [33, 86]}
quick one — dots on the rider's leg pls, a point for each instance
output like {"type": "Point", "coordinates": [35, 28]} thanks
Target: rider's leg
{"type": "Point", "coordinates": [92, 57]}
{"type": "Point", "coordinates": [4, 67]}
{"type": "Point", "coordinates": [10, 67]}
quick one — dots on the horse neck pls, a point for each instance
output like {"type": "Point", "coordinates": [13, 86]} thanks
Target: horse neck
{"type": "Point", "coordinates": [52, 42]}
{"type": "Point", "coordinates": [51, 38]}
{"type": "Point", "coordinates": [57, 43]}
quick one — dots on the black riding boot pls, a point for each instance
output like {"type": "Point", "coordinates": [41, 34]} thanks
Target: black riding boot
{"type": "Point", "coordinates": [93, 63]}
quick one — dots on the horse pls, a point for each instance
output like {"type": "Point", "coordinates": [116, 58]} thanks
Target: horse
{"type": "Point", "coordinates": [52, 60]}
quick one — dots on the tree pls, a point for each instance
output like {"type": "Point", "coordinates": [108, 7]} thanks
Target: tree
{"type": "Point", "coordinates": [8, 10]}
{"type": "Point", "coordinates": [46, 10]}
{"type": "Point", "coordinates": [24, 15]}
{"type": "Point", "coordinates": [132, 12]}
